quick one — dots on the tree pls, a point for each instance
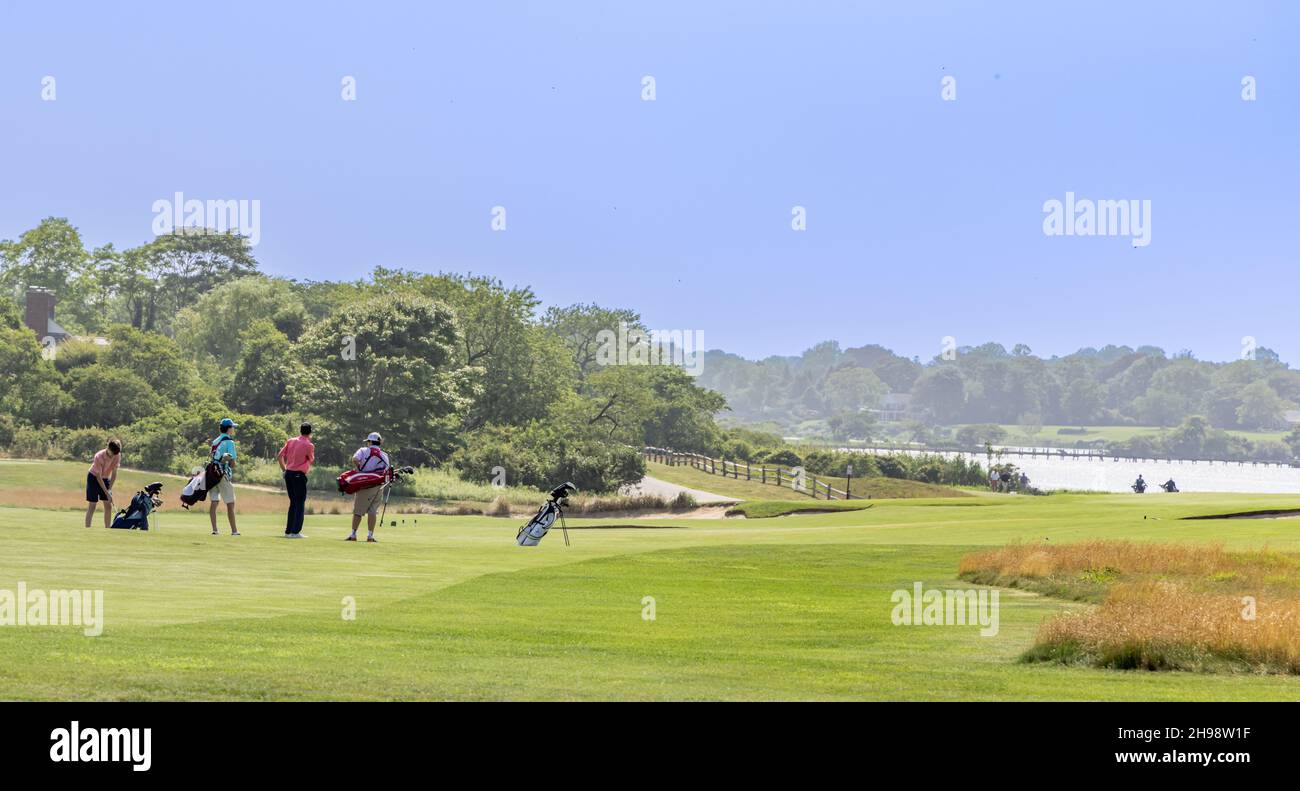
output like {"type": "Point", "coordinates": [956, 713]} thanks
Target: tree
{"type": "Point", "coordinates": [386, 363]}
{"type": "Point", "coordinates": [213, 327]}
{"type": "Point", "coordinates": [104, 396]}
{"type": "Point", "coordinates": [261, 373]}
{"type": "Point", "coordinates": [1261, 408]}
{"type": "Point", "coordinates": [521, 370]}
{"type": "Point", "coordinates": [852, 389]}
{"type": "Point", "coordinates": [49, 256]}
{"type": "Point", "coordinates": [579, 327]}
{"type": "Point", "coordinates": [161, 277]}
{"type": "Point", "coordinates": [1081, 402]}
{"type": "Point", "coordinates": [31, 388]}
{"type": "Point", "coordinates": [941, 390]}
{"type": "Point", "coordinates": [1188, 440]}
{"type": "Point", "coordinates": [851, 425]}
{"type": "Point", "coordinates": [154, 359]}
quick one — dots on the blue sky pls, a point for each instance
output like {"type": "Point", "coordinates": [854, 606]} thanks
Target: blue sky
{"type": "Point", "coordinates": [924, 216]}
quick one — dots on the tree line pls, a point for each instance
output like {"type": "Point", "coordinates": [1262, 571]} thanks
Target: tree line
{"type": "Point", "coordinates": [832, 391]}
{"type": "Point", "coordinates": [454, 369]}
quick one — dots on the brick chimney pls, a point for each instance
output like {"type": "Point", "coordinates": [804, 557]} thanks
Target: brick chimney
{"type": "Point", "coordinates": [40, 314]}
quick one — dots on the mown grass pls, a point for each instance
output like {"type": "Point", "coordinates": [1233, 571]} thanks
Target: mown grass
{"type": "Point", "coordinates": [766, 509]}
{"type": "Point", "coordinates": [450, 608]}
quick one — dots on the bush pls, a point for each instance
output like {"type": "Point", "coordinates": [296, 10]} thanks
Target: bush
{"type": "Point", "coordinates": [103, 396]}
{"type": "Point", "coordinates": [786, 457]}
{"type": "Point", "coordinates": [34, 443]}
{"type": "Point", "coordinates": [84, 443]}
{"type": "Point", "coordinates": [7, 429]}
{"type": "Point", "coordinates": [76, 354]}
{"type": "Point", "coordinates": [540, 456]}
{"type": "Point", "coordinates": [259, 437]}
{"type": "Point", "coordinates": [891, 466]}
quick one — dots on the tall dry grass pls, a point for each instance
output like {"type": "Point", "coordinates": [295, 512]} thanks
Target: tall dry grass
{"type": "Point", "coordinates": [1167, 626]}
{"type": "Point", "coordinates": [1163, 606]}
{"type": "Point", "coordinates": [1133, 558]}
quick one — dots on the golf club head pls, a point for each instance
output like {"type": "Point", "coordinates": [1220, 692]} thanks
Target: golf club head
{"type": "Point", "coordinates": [563, 491]}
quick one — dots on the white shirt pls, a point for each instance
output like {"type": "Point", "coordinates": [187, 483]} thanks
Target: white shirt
{"type": "Point", "coordinates": [368, 464]}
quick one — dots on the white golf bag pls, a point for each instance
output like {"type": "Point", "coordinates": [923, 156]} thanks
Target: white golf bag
{"type": "Point", "coordinates": [532, 533]}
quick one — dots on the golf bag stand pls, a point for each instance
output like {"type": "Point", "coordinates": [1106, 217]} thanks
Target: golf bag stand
{"type": "Point", "coordinates": [136, 515]}
{"type": "Point", "coordinates": [532, 533]}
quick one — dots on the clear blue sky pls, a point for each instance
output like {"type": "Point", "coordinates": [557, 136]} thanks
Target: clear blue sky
{"type": "Point", "coordinates": [924, 216]}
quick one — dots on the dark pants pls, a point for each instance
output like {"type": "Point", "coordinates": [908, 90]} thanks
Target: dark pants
{"type": "Point", "coordinates": [296, 484]}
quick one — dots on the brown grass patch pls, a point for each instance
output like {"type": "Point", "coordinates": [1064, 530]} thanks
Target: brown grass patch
{"type": "Point", "coordinates": [1167, 626]}
{"type": "Point", "coordinates": [1161, 606]}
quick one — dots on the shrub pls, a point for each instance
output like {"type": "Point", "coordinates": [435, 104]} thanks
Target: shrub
{"type": "Point", "coordinates": [76, 354]}
{"type": "Point", "coordinates": [84, 443]}
{"type": "Point", "coordinates": [103, 396]}
{"type": "Point", "coordinates": [34, 443]}
{"type": "Point", "coordinates": [7, 429]}
{"type": "Point", "coordinates": [891, 466]}
{"type": "Point", "coordinates": [785, 457]}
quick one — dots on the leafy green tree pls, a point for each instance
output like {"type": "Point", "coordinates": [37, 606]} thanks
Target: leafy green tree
{"type": "Point", "coordinates": [941, 390]}
{"type": "Point", "coordinates": [580, 328]}
{"type": "Point", "coordinates": [215, 325]}
{"type": "Point", "coordinates": [851, 425]}
{"type": "Point", "coordinates": [852, 389]}
{"type": "Point", "coordinates": [261, 373]}
{"type": "Point", "coordinates": [104, 396]}
{"type": "Point", "coordinates": [153, 358]}
{"type": "Point", "coordinates": [386, 363]}
{"type": "Point", "coordinates": [170, 273]}
{"type": "Point", "coordinates": [521, 370]}
{"type": "Point", "coordinates": [50, 256]}
{"type": "Point", "coordinates": [31, 388]}
{"type": "Point", "coordinates": [1261, 408]}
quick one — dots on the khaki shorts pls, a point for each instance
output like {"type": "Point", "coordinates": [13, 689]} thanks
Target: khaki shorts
{"type": "Point", "coordinates": [367, 501]}
{"type": "Point", "coordinates": [224, 493]}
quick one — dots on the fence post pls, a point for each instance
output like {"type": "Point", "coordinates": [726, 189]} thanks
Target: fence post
{"type": "Point", "coordinates": [748, 477]}
{"type": "Point", "coordinates": [762, 471]}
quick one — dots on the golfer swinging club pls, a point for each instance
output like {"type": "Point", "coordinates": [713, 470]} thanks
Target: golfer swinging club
{"type": "Point", "coordinates": [368, 458]}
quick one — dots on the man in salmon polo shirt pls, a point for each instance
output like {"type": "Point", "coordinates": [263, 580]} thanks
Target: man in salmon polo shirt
{"type": "Point", "coordinates": [100, 479]}
{"type": "Point", "coordinates": [295, 459]}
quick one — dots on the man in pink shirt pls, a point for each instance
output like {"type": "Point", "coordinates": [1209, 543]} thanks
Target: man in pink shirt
{"type": "Point", "coordinates": [100, 479]}
{"type": "Point", "coordinates": [295, 460]}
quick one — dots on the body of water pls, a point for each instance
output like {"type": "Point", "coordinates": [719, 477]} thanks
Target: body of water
{"type": "Point", "coordinates": [1117, 475]}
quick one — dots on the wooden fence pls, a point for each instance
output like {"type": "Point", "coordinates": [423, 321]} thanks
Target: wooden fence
{"type": "Point", "coordinates": [794, 479]}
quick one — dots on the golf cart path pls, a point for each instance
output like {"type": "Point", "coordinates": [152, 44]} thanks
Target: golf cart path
{"type": "Point", "coordinates": [657, 488]}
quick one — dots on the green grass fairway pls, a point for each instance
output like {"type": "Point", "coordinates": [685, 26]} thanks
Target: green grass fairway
{"type": "Point", "coordinates": [790, 608]}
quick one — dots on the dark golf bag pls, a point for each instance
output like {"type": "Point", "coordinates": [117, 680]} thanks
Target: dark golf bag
{"type": "Point", "coordinates": [532, 533]}
{"type": "Point", "coordinates": [197, 489]}
{"type": "Point", "coordinates": [136, 515]}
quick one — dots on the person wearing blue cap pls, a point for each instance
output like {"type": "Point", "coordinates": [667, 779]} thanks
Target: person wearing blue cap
{"type": "Point", "coordinates": [224, 453]}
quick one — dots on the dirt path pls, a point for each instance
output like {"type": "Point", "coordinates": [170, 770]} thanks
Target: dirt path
{"type": "Point", "coordinates": [666, 490]}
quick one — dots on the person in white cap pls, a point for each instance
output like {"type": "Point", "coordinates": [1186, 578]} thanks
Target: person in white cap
{"type": "Point", "coordinates": [368, 458]}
